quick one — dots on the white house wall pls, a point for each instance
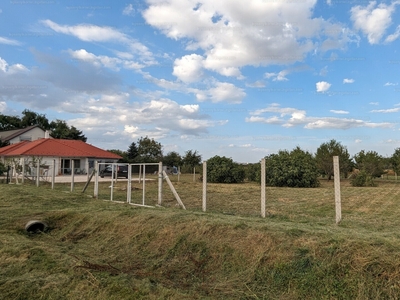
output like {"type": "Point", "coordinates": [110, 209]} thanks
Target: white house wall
{"type": "Point", "coordinates": [31, 135]}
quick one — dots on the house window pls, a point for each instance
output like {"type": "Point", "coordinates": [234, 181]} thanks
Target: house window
{"type": "Point", "coordinates": [25, 138]}
{"type": "Point", "coordinates": [77, 163]}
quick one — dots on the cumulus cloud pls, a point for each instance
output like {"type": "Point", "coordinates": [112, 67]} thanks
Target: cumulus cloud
{"type": "Point", "coordinates": [247, 33]}
{"type": "Point", "coordinates": [189, 68]}
{"type": "Point", "coordinates": [373, 20]}
{"type": "Point", "coordinates": [322, 86]}
{"type": "Point", "coordinates": [222, 92]}
{"type": "Point", "coordinates": [290, 117]}
{"type": "Point", "coordinates": [113, 63]}
{"type": "Point", "coordinates": [347, 80]}
{"type": "Point", "coordinates": [390, 84]}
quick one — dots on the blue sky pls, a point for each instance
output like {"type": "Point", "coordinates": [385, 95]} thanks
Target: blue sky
{"type": "Point", "coordinates": [242, 79]}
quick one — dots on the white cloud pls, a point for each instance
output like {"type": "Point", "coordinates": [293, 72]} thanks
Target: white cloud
{"type": "Point", "coordinates": [12, 69]}
{"type": "Point", "coordinates": [347, 80]}
{"type": "Point", "coordinates": [394, 36]}
{"type": "Point", "coordinates": [322, 86]}
{"type": "Point", "coordinates": [340, 112]}
{"type": "Point", "coordinates": [374, 103]}
{"type": "Point", "coordinates": [224, 91]}
{"type": "Point", "coordinates": [128, 10]}
{"type": "Point", "coordinates": [247, 33]}
{"type": "Point", "coordinates": [373, 20]}
{"type": "Point", "coordinates": [94, 33]}
{"type": "Point", "coordinates": [8, 41]}
{"type": "Point", "coordinates": [3, 106]}
{"type": "Point", "coordinates": [280, 76]}
{"type": "Point", "coordinates": [299, 118]}
{"type": "Point", "coordinates": [390, 110]}
{"type": "Point", "coordinates": [3, 65]}
{"type": "Point", "coordinates": [104, 61]}
{"type": "Point", "coordinates": [189, 68]}
{"type": "Point", "coordinates": [357, 141]}
{"type": "Point", "coordinates": [256, 84]}
{"type": "Point", "coordinates": [390, 84]}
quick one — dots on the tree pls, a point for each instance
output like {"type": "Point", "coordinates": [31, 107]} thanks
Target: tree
{"type": "Point", "coordinates": [172, 159]}
{"type": "Point", "coordinates": [297, 168]}
{"type": "Point", "coordinates": [191, 158]}
{"type": "Point", "coordinates": [132, 152]}
{"type": "Point", "coordinates": [61, 130]}
{"type": "Point", "coordinates": [224, 170]}
{"type": "Point", "coordinates": [324, 158]}
{"type": "Point", "coordinates": [9, 122]}
{"type": "Point", "coordinates": [124, 155]}
{"type": "Point", "coordinates": [30, 118]}
{"type": "Point", "coordinates": [395, 160]}
{"type": "Point", "coordinates": [149, 150]}
{"type": "Point", "coordinates": [371, 163]}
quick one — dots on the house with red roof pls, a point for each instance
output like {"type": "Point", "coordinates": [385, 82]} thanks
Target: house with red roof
{"type": "Point", "coordinates": [60, 151]}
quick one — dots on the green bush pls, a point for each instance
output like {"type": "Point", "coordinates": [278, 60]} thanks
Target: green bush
{"type": "Point", "coordinates": [3, 168]}
{"type": "Point", "coordinates": [224, 170]}
{"type": "Point", "coordinates": [362, 179]}
{"type": "Point", "coordinates": [297, 168]}
{"type": "Point", "coordinates": [253, 172]}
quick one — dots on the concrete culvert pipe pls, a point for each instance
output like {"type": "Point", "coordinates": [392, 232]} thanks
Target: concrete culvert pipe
{"type": "Point", "coordinates": [35, 226]}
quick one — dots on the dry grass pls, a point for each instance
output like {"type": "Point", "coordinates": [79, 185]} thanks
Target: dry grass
{"type": "Point", "coordinates": [102, 250]}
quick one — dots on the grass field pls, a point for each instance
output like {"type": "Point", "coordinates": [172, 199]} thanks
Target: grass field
{"type": "Point", "coordinates": [97, 249]}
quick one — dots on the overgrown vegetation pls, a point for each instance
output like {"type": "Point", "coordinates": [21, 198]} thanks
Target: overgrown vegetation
{"type": "Point", "coordinates": [296, 168]}
{"type": "Point", "coordinates": [101, 250]}
{"type": "Point", "coordinates": [224, 170]}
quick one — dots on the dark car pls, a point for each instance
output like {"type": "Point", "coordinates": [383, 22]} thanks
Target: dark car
{"type": "Point", "coordinates": [119, 171]}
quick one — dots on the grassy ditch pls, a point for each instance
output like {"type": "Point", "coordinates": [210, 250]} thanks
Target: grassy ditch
{"type": "Point", "coordinates": [102, 250]}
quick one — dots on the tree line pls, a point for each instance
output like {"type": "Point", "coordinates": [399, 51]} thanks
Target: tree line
{"type": "Point", "coordinates": [148, 150]}
{"type": "Point", "coordinates": [299, 168]}
{"type": "Point", "coordinates": [296, 168]}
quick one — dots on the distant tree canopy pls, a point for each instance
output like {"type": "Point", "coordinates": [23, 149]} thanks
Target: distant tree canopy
{"type": "Point", "coordinates": [395, 160]}
{"type": "Point", "coordinates": [224, 170]}
{"type": "Point", "coordinates": [324, 158]}
{"type": "Point", "coordinates": [371, 165]}
{"type": "Point", "coordinates": [172, 159]}
{"type": "Point", "coordinates": [58, 129]}
{"type": "Point", "coordinates": [149, 150]}
{"type": "Point", "coordinates": [296, 168]}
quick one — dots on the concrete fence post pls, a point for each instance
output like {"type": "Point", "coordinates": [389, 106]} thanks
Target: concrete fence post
{"type": "Point", "coordinates": [336, 175]}
{"type": "Point", "coordinates": [263, 182]}
{"type": "Point", "coordinates": [204, 206]}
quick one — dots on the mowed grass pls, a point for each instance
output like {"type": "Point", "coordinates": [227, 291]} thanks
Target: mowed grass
{"type": "Point", "coordinates": [97, 249]}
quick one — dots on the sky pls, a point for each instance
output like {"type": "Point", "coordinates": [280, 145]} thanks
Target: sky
{"type": "Point", "coordinates": [241, 79]}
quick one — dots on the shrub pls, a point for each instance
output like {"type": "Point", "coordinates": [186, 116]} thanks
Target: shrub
{"type": "Point", "coordinates": [297, 168]}
{"type": "Point", "coordinates": [3, 168]}
{"type": "Point", "coordinates": [224, 170]}
{"type": "Point", "coordinates": [362, 179]}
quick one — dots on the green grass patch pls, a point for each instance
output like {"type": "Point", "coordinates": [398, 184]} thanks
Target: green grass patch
{"type": "Point", "coordinates": [97, 249]}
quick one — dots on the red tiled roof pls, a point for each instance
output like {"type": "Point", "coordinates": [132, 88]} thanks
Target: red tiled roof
{"type": "Point", "coordinates": [56, 147]}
